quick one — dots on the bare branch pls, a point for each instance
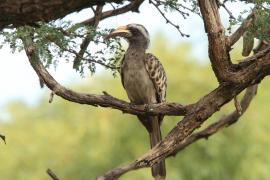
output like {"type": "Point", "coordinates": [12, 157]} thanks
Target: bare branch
{"type": "Point", "coordinates": [217, 45]}
{"type": "Point", "coordinates": [117, 172]}
{"type": "Point", "coordinates": [168, 21]}
{"type": "Point", "coordinates": [227, 10]}
{"type": "Point", "coordinates": [241, 29]}
{"type": "Point", "coordinates": [258, 55]}
{"type": "Point", "coordinates": [222, 123]}
{"type": "Point", "coordinates": [88, 38]}
{"type": "Point", "coordinates": [133, 6]}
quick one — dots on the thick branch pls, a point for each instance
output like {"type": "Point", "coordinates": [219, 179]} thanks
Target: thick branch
{"type": "Point", "coordinates": [98, 100]}
{"type": "Point", "coordinates": [30, 11]}
{"type": "Point", "coordinates": [133, 6]}
{"type": "Point", "coordinates": [222, 123]}
{"type": "Point", "coordinates": [218, 51]}
{"type": "Point", "coordinates": [210, 130]}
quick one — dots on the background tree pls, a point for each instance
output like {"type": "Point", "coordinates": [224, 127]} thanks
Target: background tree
{"type": "Point", "coordinates": [45, 40]}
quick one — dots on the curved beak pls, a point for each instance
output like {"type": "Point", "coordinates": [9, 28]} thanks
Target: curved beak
{"type": "Point", "coordinates": [120, 31]}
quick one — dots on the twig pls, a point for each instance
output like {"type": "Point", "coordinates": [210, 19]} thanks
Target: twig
{"type": "Point", "coordinates": [132, 6]}
{"type": "Point", "coordinates": [184, 14]}
{"type": "Point", "coordinates": [52, 174]}
{"type": "Point", "coordinates": [88, 38]}
{"type": "Point", "coordinates": [156, 5]}
{"type": "Point", "coordinates": [241, 29]}
{"type": "Point", "coordinates": [227, 10]}
{"type": "Point", "coordinates": [256, 56]}
{"type": "Point", "coordinates": [91, 60]}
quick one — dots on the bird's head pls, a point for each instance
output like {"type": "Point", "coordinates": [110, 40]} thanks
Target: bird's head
{"type": "Point", "coordinates": [136, 34]}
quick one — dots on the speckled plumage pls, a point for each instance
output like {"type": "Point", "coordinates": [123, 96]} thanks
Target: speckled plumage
{"type": "Point", "coordinates": [157, 75]}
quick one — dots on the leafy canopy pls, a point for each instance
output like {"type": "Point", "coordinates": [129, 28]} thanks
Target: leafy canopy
{"type": "Point", "coordinates": [61, 40]}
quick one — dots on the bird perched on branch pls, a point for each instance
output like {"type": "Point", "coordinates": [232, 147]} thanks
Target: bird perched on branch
{"type": "Point", "coordinates": [144, 80]}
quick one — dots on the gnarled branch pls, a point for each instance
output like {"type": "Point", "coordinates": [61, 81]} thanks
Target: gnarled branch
{"type": "Point", "coordinates": [210, 130]}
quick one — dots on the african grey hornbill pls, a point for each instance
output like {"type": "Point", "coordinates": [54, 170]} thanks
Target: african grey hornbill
{"type": "Point", "coordinates": [144, 80]}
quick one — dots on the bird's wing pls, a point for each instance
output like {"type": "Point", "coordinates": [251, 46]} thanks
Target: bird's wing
{"type": "Point", "coordinates": [121, 72]}
{"type": "Point", "coordinates": [157, 75]}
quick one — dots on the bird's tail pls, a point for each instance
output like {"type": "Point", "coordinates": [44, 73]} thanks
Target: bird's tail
{"type": "Point", "coordinates": [152, 125]}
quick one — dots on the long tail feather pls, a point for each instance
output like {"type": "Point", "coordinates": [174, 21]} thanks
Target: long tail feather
{"type": "Point", "coordinates": [152, 125]}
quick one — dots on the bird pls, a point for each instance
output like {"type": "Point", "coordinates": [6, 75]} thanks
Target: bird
{"type": "Point", "coordinates": [144, 80]}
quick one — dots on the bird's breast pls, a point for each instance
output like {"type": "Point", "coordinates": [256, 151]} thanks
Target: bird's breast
{"type": "Point", "coordinates": [136, 80]}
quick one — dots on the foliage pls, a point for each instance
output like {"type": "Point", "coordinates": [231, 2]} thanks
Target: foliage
{"type": "Point", "coordinates": [79, 142]}
{"type": "Point", "coordinates": [57, 41]}
{"type": "Point", "coordinates": [60, 40]}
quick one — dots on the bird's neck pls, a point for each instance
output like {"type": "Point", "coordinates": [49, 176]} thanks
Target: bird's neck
{"type": "Point", "coordinates": [137, 48]}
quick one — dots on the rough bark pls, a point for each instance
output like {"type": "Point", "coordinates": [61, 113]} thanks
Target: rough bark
{"type": "Point", "coordinates": [30, 11]}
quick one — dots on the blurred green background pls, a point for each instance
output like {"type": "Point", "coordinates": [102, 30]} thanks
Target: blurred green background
{"type": "Point", "coordinates": [81, 142]}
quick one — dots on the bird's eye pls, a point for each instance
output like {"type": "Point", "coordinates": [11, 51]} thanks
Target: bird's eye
{"type": "Point", "coordinates": [134, 31]}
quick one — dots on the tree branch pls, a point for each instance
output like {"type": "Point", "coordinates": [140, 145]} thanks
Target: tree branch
{"type": "Point", "coordinates": [168, 21]}
{"type": "Point", "coordinates": [210, 130]}
{"type": "Point", "coordinates": [88, 38]}
{"type": "Point", "coordinates": [24, 12]}
{"type": "Point", "coordinates": [98, 100]}
{"type": "Point", "coordinates": [133, 6]}
{"type": "Point", "coordinates": [231, 40]}
{"type": "Point", "coordinates": [217, 45]}
{"type": "Point", "coordinates": [222, 123]}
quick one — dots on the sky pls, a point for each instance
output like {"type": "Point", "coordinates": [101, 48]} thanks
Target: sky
{"type": "Point", "coordinates": [19, 81]}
